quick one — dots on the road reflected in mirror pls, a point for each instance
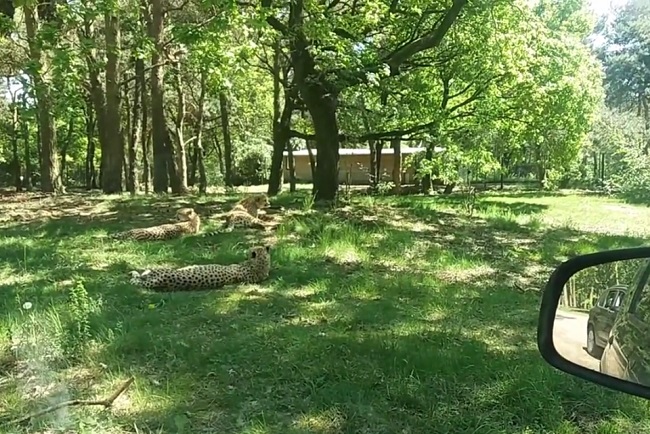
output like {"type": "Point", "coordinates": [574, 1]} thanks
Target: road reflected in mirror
{"type": "Point", "coordinates": [603, 320]}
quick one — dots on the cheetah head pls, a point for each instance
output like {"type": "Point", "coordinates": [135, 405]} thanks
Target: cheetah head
{"type": "Point", "coordinates": [259, 252]}
{"type": "Point", "coordinates": [262, 201]}
{"type": "Point", "coordinates": [186, 214]}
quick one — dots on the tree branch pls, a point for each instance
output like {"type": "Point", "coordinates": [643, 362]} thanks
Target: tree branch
{"type": "Point", "coordinates": [428, 41]}
{"type": "Point", "coordinates": [333, 4]}
{"type": "Point", "coordinates": [177, 8]}
{"type": "Point", "coordinates": [147, 69]}
{"type": "Point", "coordinates": [277, 25]}
{"type": "Point", "coordinates": [476, 95]}
{"type": "Point", "coordinates": [383, 135]}
{"type": "Point", "coordinates": [107, 402]}
{"type": "Point", "coordinates": [403, 53]}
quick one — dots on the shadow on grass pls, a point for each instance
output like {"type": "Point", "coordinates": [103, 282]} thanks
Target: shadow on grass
{"type": "Point", "coordinates": [543, 194]}
{"type": "Point", "coordinates": [78, 215]}
{"type": "Point", "coordinates": [635, 197]}
{"type": "Point", "coordinates": [355, 365]}
{"type": "Point", "coordinates": [397, 323]}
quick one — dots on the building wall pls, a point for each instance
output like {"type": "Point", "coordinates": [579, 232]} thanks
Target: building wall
{"type": "Point", "coordinates": [358, 167]}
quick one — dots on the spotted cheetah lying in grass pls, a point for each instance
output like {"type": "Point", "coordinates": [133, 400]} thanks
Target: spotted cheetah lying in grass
{"type": "Point", "coordinates": [238, 219]}
{"type": "Point", "coordinates": [189, 223]}
{"type": "Point", "coordinates": [244, 214]}
{"type": "Point", "coordinates": [253, 204]}
{"type": "Point", "coordinates": [255, 269]}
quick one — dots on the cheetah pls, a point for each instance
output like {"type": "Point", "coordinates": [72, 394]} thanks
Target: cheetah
{"type": "Point", "coordinates": [238, 219]}
{"type": "Point", "coordinates": [189, 223]}
{"type": "Point", "coordinates": [245, 214]}
{"type": "Point", "coordinates": [255, 269]}
{"type": "Point", "coordinates": [252, 204]}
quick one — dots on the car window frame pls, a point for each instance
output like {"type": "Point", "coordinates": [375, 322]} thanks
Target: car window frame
{"type": "Point", "coordinates": [620, 297]}
{"type": "Point", "coordinates": [640, 283]}
{"type": "Point", "coordinates": [602, 299]}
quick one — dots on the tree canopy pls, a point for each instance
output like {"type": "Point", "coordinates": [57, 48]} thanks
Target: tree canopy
{"type": "Point", "coordinates": [123, 95]}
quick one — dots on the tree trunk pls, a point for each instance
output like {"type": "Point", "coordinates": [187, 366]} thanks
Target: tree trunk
{"type": "Point", "coordinates": [220, 158]}
{"type": "Point", "coordinates": [180, 154]}
{"type": "Point", "coordinates": [38, 141]}
{"type": "Point", "coordinates": [281, 137]}
{"type": "Point", "coordinates": [13, 132]}
{"type": "Point", "coordinates": [292, 167]}
{"type": "Point", "coordinates": [281, 124]}
{"type": "Point", "coordinates": [203, 179]}
{"type": "Point", "coordinates": [198, 135]}
{"type": "Point", "coordinates": [27, 179]}
{"type": "Point", "coordinates": [396, 144]}
{"type": "Point", "coordinates": [275, 175]}
{"type": "Point", "coordinates": [124, 136]}
{"type": "Point", "coordinates": [321, 101]}
{"type": "Point", "coordinates": [135, 135]}
{"type": "Point", "coordinates": [449, 188]}
{"type": "Point", "coordinates": [312, 162]}
{"type": "Point", "coordinates": [172, 166]}
{"type": "Point", "coordinates": [227, 143]}
{"type": "Point", "coordinates": [50, 179]}
{"type": "Point", "coordinates": [372, 145]}
{"type": "Point", "coordinates": [113, 152]}
{"type": "Point", "coordinates": [192, 167]}
{"type": "Point", "coordinates": [144, 133]}
{"type": "Point", "coordinates": [646, 123]}
{"type": "Point", "coordinates": [380, 148]}
{"type": "Point", "coordinates": [65, 145]}
{"type": "Point", "coordinates": [161, 155]}
{"type": "Point", "coordinates": [98, 99]}
{"type": "Point", "coordinates": [91, 179]}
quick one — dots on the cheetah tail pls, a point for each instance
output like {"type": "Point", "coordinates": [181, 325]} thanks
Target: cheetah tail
{"type": "Point", "coordinates": [119, 236]}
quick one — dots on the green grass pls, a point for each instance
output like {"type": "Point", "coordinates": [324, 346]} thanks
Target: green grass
{"type": "Point", "coordinates": [391, 315]}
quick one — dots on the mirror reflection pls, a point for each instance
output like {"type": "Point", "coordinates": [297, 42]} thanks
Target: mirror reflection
{"type": "Point", "coordinates": [603, 320]}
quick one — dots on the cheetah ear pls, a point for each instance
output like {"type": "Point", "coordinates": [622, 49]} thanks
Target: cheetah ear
{"type": "Point", "coordinates": [268, 248]}
{"type": "Point", "coordinates": [253, 254]}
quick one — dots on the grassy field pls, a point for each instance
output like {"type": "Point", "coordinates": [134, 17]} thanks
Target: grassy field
{"type": "Point", "coordinates": [397, 315]}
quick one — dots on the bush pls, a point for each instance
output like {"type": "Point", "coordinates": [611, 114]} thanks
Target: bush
{"type": "Point", "coordinates": [252, 163]}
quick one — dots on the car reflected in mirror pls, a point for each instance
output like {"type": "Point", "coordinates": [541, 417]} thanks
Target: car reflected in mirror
{"type": "Point", "coordinates": [602, 321]}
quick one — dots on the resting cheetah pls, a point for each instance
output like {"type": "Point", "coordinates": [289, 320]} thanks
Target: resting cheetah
{"type": "Point", "coordinates": [199, 277]}
{"type": "Point", "coordinates": [245, 214]}
{"type": "Point", "coordinates": [239, 219]}
{"type": "Point", "coordinates": [252, 204]}
{"type": "Point", "coordinates": [189, 223]}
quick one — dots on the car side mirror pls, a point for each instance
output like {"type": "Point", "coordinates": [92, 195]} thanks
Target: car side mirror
{"type": "Point", "coordinates": [609, 348]}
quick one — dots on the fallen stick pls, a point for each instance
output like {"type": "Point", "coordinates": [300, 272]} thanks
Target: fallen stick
{"type": "Point", "coordinates": [75, 402]}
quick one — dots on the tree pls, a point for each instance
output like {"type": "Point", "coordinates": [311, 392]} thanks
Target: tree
{"type": "Point", "coordinates": [51, 181]}
{"type": "Point", "coordinates": [626, 56]}
{"type": "Point", "coordinates": [312, 30]}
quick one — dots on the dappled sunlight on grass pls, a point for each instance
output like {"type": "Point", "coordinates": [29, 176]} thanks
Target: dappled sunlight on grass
{"type": "Point", "coordinates": [323, 422]}
{"type": "Point", "coordinates": [390, 315]}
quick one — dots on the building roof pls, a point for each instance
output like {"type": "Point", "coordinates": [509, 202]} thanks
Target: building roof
{"type": "Point", "coordinates": [366, 151]}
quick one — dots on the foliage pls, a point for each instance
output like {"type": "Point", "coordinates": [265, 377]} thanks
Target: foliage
{"type": "Point", "coordinates": [252, 163]}
{"type": "Point", "coordinates": [625, 56]}
{"type": "Point", "coordinates": [509, 84]}
{"type": "Point", "coordinates": [585, 287]}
